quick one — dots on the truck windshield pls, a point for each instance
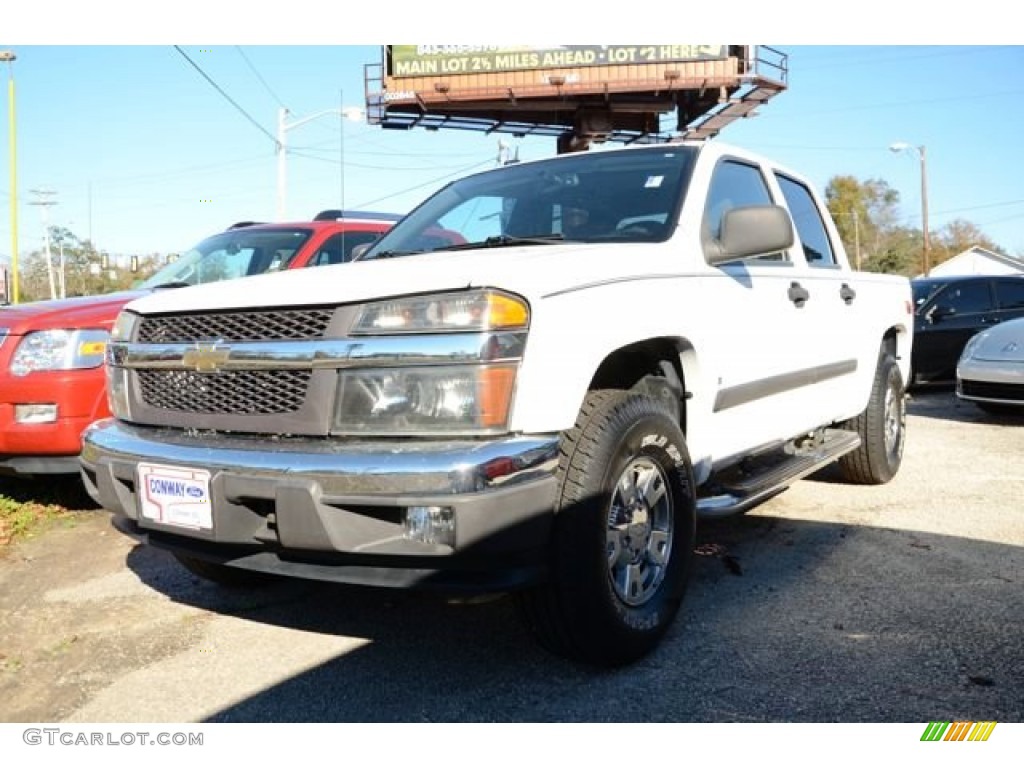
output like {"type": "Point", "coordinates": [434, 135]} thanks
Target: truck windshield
{"type": "Point", "coordinates": [235, 253]}
{"type": "Point", "coordinates": [617, 196]}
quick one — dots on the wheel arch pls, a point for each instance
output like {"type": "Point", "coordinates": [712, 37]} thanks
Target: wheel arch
{"type": "Point", "coordinates": [632, 366]}
{"type": "Point", "coordinates": [897, 342]}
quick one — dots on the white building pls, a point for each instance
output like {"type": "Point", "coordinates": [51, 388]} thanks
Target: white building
{"type": "Point", "coordinates": [978, 261]}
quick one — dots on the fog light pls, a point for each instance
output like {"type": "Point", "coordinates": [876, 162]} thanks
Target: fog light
{"type": "Point", "coordinates": [35, 413]}
{"type": "Point", "coordinates": [430, 525]}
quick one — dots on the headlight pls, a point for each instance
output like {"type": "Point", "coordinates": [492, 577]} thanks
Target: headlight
{"type": "Point", "coordinates": [463, 399]}
{"type": "Point", "coordinates": [482, 310]}
{"type": "Point", "coordinates": [971, 345]}
{"type": "Point", "coordinates": [59, 351]}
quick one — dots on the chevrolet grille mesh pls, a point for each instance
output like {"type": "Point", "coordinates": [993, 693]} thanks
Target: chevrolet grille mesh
{"type": "Point", "coordinates": [228, 392]}
{"type": "Point", "coordinates": [236, 326]}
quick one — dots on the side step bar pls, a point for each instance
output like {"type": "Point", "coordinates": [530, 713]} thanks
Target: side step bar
{"type": "Point", "coordinates": [737, 489]}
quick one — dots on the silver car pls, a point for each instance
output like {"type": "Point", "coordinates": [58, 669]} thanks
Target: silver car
{"type": "Point", "coordinates": [991, 369]}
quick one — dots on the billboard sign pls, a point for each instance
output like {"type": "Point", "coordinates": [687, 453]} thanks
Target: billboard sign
{"type": "Point", "coordinates": [426, 60]}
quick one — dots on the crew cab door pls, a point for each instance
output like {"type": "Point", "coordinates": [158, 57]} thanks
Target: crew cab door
{"type": "Point", "coordinates": [834, 325]}
{"type": "Point", "coordinates": [761, 327]}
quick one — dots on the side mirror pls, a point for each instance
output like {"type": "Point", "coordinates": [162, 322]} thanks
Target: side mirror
{"type": "Point", "coordinates": [754, 230]}
{"type": "Point", "coordinates": [939, 312]}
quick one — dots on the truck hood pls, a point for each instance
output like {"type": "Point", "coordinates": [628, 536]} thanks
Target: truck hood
{"type": "Point", "coordinates": [74, 313]}
{"type": "Point", "coordinates": [532, 271]}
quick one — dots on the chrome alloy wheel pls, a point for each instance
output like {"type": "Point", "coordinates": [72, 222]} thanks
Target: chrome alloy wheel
{"type": "Point", "coordinates": [639, 536]}
{"type": "Point", "coordinates": [895, 414]}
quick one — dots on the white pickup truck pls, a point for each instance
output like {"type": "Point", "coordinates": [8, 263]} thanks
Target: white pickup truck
{"type": "Point", "coordinates": [627, 340]}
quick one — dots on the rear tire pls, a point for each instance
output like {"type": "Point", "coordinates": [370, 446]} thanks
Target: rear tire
{"type": "Point", "coordinates": [882, 429]}
{"type": "Point", "coordinates": [624, 533]}
{"type": "Point", "coordinates": [225, 575]}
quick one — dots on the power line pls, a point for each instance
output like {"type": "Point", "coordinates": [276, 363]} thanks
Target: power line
{"type": "Point", "coordinates": [144, 178]}
{"type": "Point", "coordinates": [221, 91]}
{"type": "Point", "coordinates": [979, 207]}
{"type": "Point", "coordinates": [311, 155]}
{"type": "Point", "coordinates": [326, 147]}
{"type": "Point", "coordinates": [899, 104]}
{"type": "Point", "coordinates": [856, 58]}
{"type": "Point", "coordinates": [260, 77]}
{"type": "Point", "coordinates": [368, 203]}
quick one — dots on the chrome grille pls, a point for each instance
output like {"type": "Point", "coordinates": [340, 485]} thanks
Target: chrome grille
{"type": "Point", "coordinates": [229, 392]}
{"type": "Point", "coordinates": [236, 326]}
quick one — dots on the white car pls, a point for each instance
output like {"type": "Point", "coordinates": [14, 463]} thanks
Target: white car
{"type": "Point", "coordinates": [991, 368]}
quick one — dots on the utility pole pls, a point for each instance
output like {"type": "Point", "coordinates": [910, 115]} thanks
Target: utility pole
{"type": "Point", "coordinates": [283, 126]}
{"type": "Point", "coordinates": [63, 287]}
{"type": "Point", "coordinates": [856, 238]}
{"type": "Point", "coordinates": [10, 57]}
{"type": "Point", "coordinates": [43, 199]}
{"type": "Point", "coordinates": [923, 153]}
{"type": "Point", "coordinates": [922, 156]}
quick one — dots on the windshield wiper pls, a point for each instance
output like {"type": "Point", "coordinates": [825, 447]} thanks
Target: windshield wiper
{"type": "Point", "coordinates": [390, 255]}
{"type": "Point", "coordinates": [500, 241]}
{"type": "Point", "coordinates": [173, 284]}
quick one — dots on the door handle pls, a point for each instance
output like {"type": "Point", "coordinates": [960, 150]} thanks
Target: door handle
{"type": "Point", "coordinates": [847, 294]}
{"type": "Point", "coordinates": [798, 294]}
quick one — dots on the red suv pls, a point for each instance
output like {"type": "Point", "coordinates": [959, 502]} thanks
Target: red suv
{"type": "Point", "coordinates": [51, 352]}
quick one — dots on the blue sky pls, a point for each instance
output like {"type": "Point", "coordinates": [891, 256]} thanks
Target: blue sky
{"type": "Point", "coordinates": [145, 155]}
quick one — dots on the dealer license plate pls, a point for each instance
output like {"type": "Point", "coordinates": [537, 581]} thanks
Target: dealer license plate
{"type": "Point", "coordinates": [176, 496]}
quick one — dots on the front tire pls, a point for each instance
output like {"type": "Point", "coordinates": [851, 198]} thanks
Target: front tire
{"type": "Point", "coordinates": [882, 429]}
{"type": "Point", "coordinates": [624, 533]}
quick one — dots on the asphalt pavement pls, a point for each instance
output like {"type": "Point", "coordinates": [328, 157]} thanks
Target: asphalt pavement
{"type": "Point", "coordinates": [830, 603]}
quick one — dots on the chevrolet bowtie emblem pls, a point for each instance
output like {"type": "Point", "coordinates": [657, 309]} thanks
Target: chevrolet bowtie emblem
{"type": "Point", "coordinates": [206, 358]}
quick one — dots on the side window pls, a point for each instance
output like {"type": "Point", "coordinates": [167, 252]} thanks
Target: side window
{"type": "Point", "coordinates": [337, 249]}
{"type": "Point", "coordinates": [1010, 294]}
{"type": "Point", "coordinates": [966, 299]}
{"type": "Point", "coordinates": [809, 226]}
{"type": "Point", "coordinates": [734, 185]}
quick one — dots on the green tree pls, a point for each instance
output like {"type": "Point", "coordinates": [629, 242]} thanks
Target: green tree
{"type": "Point", "coordinates": [865, 213]}
{"type": "Point", "coordinates": [958, 236]}
{"type": "Point", "coordinates": [899, 253]}
{"type": "Point", "coordinates": [83, 268]}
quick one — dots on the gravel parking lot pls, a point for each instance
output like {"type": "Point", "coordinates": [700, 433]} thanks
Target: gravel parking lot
{"type": "Point", "coordinates": [830, 603]}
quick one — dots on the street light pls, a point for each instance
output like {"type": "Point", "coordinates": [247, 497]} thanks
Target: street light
{"type": "Point", "coordinates": [902, 146]}
{"type": "Point", "coordinates": [9, 57]}
{"type": "Point", "coordinates": [283, 126]}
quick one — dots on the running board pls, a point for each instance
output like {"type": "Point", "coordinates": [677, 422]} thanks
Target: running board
{"type": "Point", "coordinates": [750, 483]}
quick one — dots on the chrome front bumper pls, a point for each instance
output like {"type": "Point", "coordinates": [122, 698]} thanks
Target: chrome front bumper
{"type": "Point", "coordinates": [282, 504]}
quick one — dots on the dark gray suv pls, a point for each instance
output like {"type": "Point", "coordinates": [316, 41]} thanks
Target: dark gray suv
{"type": "Point", "coordinates": [949, 310]}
